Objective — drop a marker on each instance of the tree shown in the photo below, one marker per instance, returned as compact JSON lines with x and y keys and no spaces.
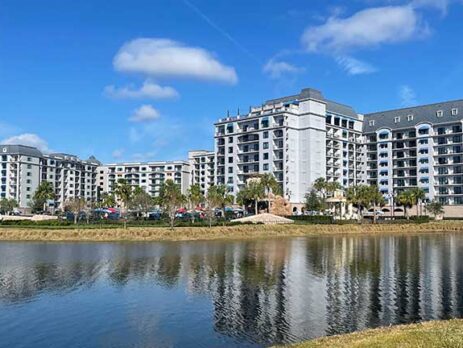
{"x":107,"y":200}
{"x":75,"y":206}
{"x":123,"y":192}
{"x":171,"y":199}
{"x":419,"y":195}
{"x":313,"y":202}
{"x":435,"y":208}
{"x":217,"y":197}
{"x":407,"y":200}
{"x":271,"y":186}
{"x":7,"y":205}
{"x":320,"y":186}
{"x":43,"y":193}
{"x":364,"y":197}
{"x":195,"y":198}
{"x":256,"y":192}
{"x":141,"y":201}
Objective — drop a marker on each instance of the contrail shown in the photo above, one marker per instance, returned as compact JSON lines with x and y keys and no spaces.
{"x":221,"y":31}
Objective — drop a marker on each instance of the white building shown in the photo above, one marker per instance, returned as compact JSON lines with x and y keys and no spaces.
{"x":298,"y":138}
{"x":147,"y":175}
{"x":202,"y":169}
{"x":417,"y":147}
{"x":23,"y":168}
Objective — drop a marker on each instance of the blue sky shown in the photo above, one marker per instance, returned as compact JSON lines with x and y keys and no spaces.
{"x":145,"y":80}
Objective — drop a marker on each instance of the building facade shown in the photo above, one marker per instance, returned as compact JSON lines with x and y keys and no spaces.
{"x":417,"y":147}
{"x":25,"y":167}
{"x":202,"y":169}
{"x":297,"y":138}
{"x":147,"y":175}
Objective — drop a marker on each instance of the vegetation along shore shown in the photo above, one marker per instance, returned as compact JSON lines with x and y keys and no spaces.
{"x":432,"y":334}
{"x":164,"y":233}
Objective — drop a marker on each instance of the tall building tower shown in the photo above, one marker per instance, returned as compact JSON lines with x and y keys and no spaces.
{"x":298,"y":139}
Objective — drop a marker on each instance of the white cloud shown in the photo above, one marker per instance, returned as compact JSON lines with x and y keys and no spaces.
{"x":144,"y":113}
{"x":441,"y":5}
{"x":118,"y":153}
{"x":407,"y":96}
{"x":148,"y":90}
{"x":366,"y":28}
{"x":354,"y":66}
{"x":275,"y":69}
{"x":28,"y":139}
{"x":168,"y":58}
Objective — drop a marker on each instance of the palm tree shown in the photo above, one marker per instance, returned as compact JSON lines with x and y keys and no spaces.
{"x":256,"y":192}
{"x":107,"y":200}
{"x":195,"y":198}
{"x":406,"y":199}
{"x":320,"y":186}
{"x":123,"y":192}
{"x":419,"y":195}
{"x":44,"y":192}
{"x":270,"y":185}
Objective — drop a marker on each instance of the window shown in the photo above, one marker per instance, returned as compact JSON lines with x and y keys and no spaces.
{"x":265,"y":166}
{"x":266,"y":156}
{"x":230,"y":159}
{"x":230,"y":149}
{"x":410,"y":118}
{"x":265,"y":145}
{"x":266,"y":135}
{"x":397,"y":119}
{"x":439,"y":113}
{"x":230,"y":170}
{"x":371,"y":123}
{"x":454,"y":111}
{"x":230,"y":140}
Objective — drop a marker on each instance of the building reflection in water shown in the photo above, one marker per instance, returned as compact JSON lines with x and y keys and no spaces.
{"x":263,"y":291}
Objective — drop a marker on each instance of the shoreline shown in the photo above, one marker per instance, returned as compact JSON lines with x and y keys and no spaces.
{"x":434,"y":333}
{"x":157,"y":234}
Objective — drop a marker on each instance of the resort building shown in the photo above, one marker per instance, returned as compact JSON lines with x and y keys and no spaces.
{"x":147,"y":175}
{"x":25,"y":167}
{"x":202,"y":168}
{"x":417,"y":147}
{"x":298,"y":139}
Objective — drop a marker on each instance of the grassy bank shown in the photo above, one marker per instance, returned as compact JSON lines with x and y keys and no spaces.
{"x":218,"y":232}
{"x":429,"y":334}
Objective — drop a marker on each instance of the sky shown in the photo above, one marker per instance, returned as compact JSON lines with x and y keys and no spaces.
{"x":145,"y":80}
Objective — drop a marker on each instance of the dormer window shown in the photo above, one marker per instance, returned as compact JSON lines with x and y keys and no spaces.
{"x":371,"y":123}
{"x":439,"y":113}
{"x":454,"y":111}
{"x":397,"y":119}
{"x":410,"y":118}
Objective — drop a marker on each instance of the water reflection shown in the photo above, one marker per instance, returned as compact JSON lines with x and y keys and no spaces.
{"x":234,"y":293}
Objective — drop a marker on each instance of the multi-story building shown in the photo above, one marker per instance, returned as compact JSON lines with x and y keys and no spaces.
{"x":298,"y":138}
{"x":147,"y":175}
{"x":202,"y":169}
{"x":417,"y":147}
{"x":25,"y":167}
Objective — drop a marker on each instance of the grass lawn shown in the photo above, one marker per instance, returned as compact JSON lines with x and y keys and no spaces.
{"x":438,"y":334}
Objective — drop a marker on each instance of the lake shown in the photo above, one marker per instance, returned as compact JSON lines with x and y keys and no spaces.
{"x":252,"y":293}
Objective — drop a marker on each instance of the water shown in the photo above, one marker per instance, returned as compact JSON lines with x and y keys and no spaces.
{"x":223,"y":294}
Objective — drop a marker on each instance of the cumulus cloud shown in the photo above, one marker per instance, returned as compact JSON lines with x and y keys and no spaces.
{"x":165,"y":58}
{"x":148,"y":90}
{"x":367,"y":28}
{"x":407,"y":96}
{"x":145,"y":113}
{"x":275,"y":69}
{"x":355,"y":66}
{"x":28,"y":139}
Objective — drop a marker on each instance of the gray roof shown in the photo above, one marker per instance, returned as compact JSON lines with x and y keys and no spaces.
{"x":424,"y":113}
{"x":20,"y":150}
{"x":311,"y":93}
